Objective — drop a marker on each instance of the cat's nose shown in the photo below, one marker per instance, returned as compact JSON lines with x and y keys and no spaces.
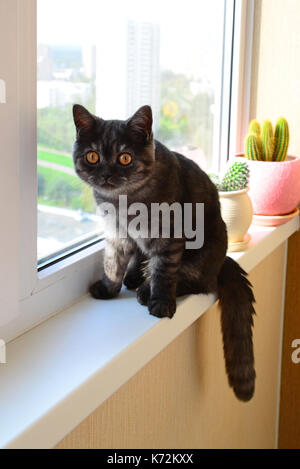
{"x":107,"y":178}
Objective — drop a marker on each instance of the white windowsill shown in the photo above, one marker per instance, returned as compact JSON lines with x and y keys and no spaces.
{"x":62,"y":370}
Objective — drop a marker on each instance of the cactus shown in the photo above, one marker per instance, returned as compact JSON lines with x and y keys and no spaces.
{"x":253,"y":147}
{"x":254,"y":127}
{"x":236,"y":178}
{"x":215,"y":179}
{"x":263,"y":145}
{"x":282,"y":138}
{"x":268,"y":141}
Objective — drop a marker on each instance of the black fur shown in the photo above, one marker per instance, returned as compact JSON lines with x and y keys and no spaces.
{"x":161,"y":269}
{"x":236,"y":301}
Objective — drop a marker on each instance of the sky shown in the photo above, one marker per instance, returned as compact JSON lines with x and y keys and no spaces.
{"x":191,"y":30}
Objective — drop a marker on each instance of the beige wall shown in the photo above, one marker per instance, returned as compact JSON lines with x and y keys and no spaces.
{"x":275,"y":92}
{"x":276,"y":64}
{"x":181,"y":398}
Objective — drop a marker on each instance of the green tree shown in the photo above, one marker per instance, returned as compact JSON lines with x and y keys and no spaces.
{"x":62,"y":192}
{"x":185,"y":116}
{"x":56,"y":128}
{"x":88,"y":201}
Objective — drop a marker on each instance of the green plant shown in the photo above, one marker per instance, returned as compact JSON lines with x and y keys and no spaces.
{"x":236,"y":178}
{"x":268,"y":140}
{"x":253,"y":147}
{"x":215,"y":179}
{"x":262,"y":144}
{"x":254,"y":127}
{"x":282,"y":139}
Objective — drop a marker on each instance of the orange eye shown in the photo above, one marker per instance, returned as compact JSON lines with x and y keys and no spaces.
{"x":125,"y":159}
{"x":92,"y":157}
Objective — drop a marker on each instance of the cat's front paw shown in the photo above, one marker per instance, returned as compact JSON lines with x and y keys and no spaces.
{"x":101,"y":291}
{"x":143,"y":293}
{"x":162,"y":308}
{"x":133,"y":279}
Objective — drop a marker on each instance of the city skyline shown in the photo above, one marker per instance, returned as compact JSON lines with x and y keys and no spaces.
{"x":188,"y":41}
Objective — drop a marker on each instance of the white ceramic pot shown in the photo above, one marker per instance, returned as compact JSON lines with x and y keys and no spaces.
{"x":237,"y":213}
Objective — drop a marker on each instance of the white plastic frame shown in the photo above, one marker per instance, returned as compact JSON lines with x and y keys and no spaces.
{"x":26,"y":296}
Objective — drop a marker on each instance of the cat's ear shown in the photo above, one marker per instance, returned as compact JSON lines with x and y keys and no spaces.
{"x":140,"y":125}
{"x":83,"y":119}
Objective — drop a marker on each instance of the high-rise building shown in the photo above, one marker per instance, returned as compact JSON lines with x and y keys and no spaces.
{"x":143,"y":67}
{"x":128,"y":69}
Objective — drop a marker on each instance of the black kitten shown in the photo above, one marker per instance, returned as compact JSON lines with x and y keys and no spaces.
{"x":122,"y":158}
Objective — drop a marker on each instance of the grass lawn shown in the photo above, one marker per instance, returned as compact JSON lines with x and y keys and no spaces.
{"x":57,"y":158}
{"x":61,"y":189}
{"x":81,"y":198}
{"x":50,"y":173}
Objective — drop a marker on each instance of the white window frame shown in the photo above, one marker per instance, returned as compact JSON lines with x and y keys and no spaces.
{"x":241,"y":74}
{"x":27,"y":297}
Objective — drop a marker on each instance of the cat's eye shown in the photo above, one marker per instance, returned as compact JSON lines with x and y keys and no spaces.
{"x":125,"y":159}
{"x":92,"y":157}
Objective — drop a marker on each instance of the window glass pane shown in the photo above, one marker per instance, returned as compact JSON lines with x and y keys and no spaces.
{"x":113,"y":57}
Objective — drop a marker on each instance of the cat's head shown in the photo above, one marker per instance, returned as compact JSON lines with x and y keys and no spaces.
{"x":113,"y":156}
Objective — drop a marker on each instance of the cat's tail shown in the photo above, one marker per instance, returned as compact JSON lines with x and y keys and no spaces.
{"x":236,"y":302}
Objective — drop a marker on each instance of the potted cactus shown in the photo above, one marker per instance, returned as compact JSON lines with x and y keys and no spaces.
{"x":236,"y":207}
{"x":274,"y":185}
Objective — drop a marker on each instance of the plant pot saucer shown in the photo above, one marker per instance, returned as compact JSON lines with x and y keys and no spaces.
{"x":241,"y":246}
{"x":274,"y":220}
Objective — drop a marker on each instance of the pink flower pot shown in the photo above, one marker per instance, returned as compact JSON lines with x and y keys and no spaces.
{"x":274,"y":187}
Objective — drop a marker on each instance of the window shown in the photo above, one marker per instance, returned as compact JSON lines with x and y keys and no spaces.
{"x":187,"y":61}
{"x":113,"y":60}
